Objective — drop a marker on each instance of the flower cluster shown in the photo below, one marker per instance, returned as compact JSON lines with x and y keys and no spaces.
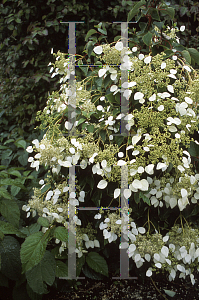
{"x":161,"y":120}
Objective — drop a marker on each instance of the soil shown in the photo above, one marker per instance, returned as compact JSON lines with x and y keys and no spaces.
{"x":126,"y":289}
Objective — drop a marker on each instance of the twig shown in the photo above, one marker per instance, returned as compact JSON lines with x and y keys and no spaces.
{"x":158,"y":290}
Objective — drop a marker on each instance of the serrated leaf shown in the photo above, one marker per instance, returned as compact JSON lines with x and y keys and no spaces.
{"x":61,"y":269}
{"x":43,"y":221}
{"x":8,"y":228}
{"x":89,"y":33}
{"x":10,"y":257}
{"x":30,"y":229}
{"x":10,"y":211}
{"x":97,"y":263}
{"x":41,"y":274}
{"x":169,"y":293}
{"x":32,"y":250}
{"x":187,"y":56}
{"x":135,"y":10}
{"x":61,"y":233}
{"x":147,"y":38}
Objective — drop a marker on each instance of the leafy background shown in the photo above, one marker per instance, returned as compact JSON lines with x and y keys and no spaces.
{"x":28,"y":31}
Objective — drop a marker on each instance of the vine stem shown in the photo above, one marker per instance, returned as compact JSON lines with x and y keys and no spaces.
{"x":158,"y":289}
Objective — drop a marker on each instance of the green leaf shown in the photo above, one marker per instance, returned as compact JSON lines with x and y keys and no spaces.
{"x":90,"y":128}
{"x":23,"y":159}
{"x":103,"y":135}
{"x":43,"y":221}
{"x":97,"y":263}
{"x":8,"y":228}
{"x":32,"y":294}
{"x":135,"y":10}
{"x":30,"y":229}
{"x":158,"y":24}
{"x":194,"y":54}
{"x":103,"y":31}
{"x":154,"y":14}
{"x":169,"y":293}
{"x":14,"y":172}
{"x":41,"y":274}
{"x":169,"y":11}
{"x":89,"y":33}
{"x":194,"y":149}
{"x":81,"y":121}
{"x":4,"y":193}
{"x":110,"y":97}
{"x":10,"y":211}
{"x":144,"y":198}
{"x":45,"y":188}
{"x":15,"y":190}
{"x":137,"y":198}
{"x":61,"y":269}
{"x":187,"y":56}
{"x":10,"y":257}
{"x":21,"y":143}
{"x":79,"y":264}
{"x":147,"y":38}
{"x":32,"y":250}
{"x":61,"y":233}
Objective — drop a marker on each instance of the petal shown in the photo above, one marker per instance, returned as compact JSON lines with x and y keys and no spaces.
{"x":102,"y":184}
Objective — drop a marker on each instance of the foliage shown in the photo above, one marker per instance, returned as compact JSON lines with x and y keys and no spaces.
{"x":161,"y":183}
{"x":28,"y":31}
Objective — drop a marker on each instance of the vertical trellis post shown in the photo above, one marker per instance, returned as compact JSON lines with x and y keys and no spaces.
{"x":124,"y":259}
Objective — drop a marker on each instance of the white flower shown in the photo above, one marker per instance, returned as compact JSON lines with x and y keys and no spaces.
{"x":138,"y":96}
{"x":174,"y":57}
{"x":134,"y":49}
{"x":149,"y":273}
{"x":182,"y":28}
{"x":149,"y":169}
{"x":29,"y":149}
{"x":98,"y":49}
{"x":170,"y":88}
{"x":121,"y":163}
{"x":101,"y":72}
{"x":165,"y":251}
{"x":135,"y":139}
{"x":163,"y":65}
{"x":116,"y":193}
{"x":102,"y":184}
{"x":161,"y":107}
{"x":68,"y":125}
{"x":152,"y":98}
{"x":127,"y":193}
{"x":188,"y":100}
{"x":119,"y":46}
{"x":141,"y":56}
{"x":147,"y":59}
{"x":141,"y":230}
